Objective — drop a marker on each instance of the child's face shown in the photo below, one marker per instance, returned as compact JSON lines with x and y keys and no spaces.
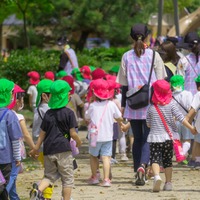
{"x":19,"y":104}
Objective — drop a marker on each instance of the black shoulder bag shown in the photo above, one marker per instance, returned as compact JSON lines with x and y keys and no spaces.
{"x":139,"y":98}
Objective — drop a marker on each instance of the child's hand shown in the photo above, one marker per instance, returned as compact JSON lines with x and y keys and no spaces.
{"x":125,"y":127}
{"x":17,"y":163}
{"x":34,"y":154}
{"x":194,"y":131}
{"x":78,"y":143}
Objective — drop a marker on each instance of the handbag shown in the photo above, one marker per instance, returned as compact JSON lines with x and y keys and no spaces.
{"x":176,"y":143}
{"x":93,"y":130}
{"x":139,"y":97}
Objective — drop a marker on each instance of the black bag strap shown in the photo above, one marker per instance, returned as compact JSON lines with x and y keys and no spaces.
{"x":5,"y":111}
{"x":180,"y":104}
{"x":151,"y":68}
{"x":39,"y":113}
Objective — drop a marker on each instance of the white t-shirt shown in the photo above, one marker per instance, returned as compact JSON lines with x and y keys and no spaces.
{"x":32,"y":90}
{"x":94,"y":114}
{"x":196,"y":106}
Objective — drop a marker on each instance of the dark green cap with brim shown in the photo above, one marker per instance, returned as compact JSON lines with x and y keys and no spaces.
{"x":177,"y":80}
{"x":61,"y":74}
{"x":59,"y":94}
{"x":197,"y":80}
{"x":6,"y":88}
{"x":43,"y":87}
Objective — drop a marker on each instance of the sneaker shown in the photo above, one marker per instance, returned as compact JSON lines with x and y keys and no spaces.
{"x":191,"y":164}
{"x":106,"y":183}
{"x":156,"y":183}
{"x":124,"y":158}
{"x":197,"y":165}
{"x":93,"y":181}
{"x":140,"y":179}
{"x":113,"y":161}
{"x":34,"y":193}
{"x":167,"y":186}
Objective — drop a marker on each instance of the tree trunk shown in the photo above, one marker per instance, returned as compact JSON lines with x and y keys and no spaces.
{"x":80,"y":44}
{"x":160,"y":13}
{"x":176,"y":17}
{"x":25,"y":31}
{"x":1,"y":35}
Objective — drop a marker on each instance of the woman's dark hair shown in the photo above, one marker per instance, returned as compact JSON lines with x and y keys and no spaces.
{"x":139,"y":47}
{"x":196,"y":50}
{"x":169,"y":54}
{"x":197,"y":84}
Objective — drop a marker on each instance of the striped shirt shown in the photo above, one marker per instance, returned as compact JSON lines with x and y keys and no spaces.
{"x":158,"y":132}
{"x":189,"y":69}
{"x":134,"y":72}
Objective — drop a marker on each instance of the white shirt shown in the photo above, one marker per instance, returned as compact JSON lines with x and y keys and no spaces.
{"x":94,"y":114}
{"x":32,"y":90}
{"x":196,"y":105}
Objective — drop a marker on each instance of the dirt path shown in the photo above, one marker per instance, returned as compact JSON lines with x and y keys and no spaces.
{"x":186,"y":182}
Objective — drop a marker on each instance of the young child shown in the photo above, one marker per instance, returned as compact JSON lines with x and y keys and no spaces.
{"x":32,"y":91}
{"x":101,"y":113}
{"x":183,"y":99}
{"x":10,"y":134}
{"x":43,"y":89}
{"x":161,"y":145}
{"x":57,"y":127}
{"x":49,"y":75}
{"x":16,"y":105}
{"x":195,"y":113}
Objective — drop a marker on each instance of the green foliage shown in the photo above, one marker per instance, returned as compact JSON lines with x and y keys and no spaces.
{"x":21,"y":62}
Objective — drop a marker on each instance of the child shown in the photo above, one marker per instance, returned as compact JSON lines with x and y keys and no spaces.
{"x":101,"y":113}
{"x":49,"y":75}
{"x":32,"y":91}
{"x":43,"y":89}
{"x":183,"y":99}
{"x":16,"y":105}
{"x":161,"y":145}
{"x":57,"y":127}
{"x":194,"y":111}
{"x":10,"y":133}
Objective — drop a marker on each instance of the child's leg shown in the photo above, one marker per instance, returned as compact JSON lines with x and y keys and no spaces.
{"x":106,"y":166}
{"x":43,"y":185}
{"x":168,"y":174}
{"x":114,"y":148}
{"x":94,"y":165}
{"x":155,"y":168}
{"x":67,"y":193}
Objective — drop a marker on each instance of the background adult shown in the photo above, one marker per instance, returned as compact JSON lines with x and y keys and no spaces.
{"x":188,"y":66}
{"x":68,"y":59}
{"x":134,"y":72}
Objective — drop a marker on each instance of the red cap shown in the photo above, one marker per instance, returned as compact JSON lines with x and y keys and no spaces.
{"x":70,"y":81}
{"x":101,"y":89}
{"x":86,"y":72}
{"x":16,"y":90}
{"x":34,"y":77}
{"x":49,"y":75}
{"x":162,"y":93}
{"x":98,"y":73}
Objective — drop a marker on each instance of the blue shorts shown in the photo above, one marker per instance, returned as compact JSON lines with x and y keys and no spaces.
{"x":102,"y":149}
{"x":184,"y":132}
{"x":197,"y":138}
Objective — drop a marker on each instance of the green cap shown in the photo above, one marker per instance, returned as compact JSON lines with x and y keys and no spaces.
{"x":59,"y":94}
{"x":6,"y":87}
{"x":61,"y":74}
{"x":177,"y":81}
{"x":43,"y":87}
{"x":76,"y":72}
{"x":197,"y":80}
{"x":92,"y":68}
{"x":114,"y":69}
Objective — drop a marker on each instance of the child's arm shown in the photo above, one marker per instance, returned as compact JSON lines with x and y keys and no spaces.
{"x":191,"y":114}
{"x":16,"y":151}
{"x":189,"y":126}
{"x":26,"y":134}
{"x":75,"y":137}
{"x":125,"y":127}
{"x":40,"y":140}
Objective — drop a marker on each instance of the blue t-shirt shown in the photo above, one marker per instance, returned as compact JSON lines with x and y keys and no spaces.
{"x":12,"y":133}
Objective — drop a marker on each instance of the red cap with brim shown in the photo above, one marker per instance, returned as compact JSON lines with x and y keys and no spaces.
{"x":34,"y":77}
{"x":162,"y":93}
